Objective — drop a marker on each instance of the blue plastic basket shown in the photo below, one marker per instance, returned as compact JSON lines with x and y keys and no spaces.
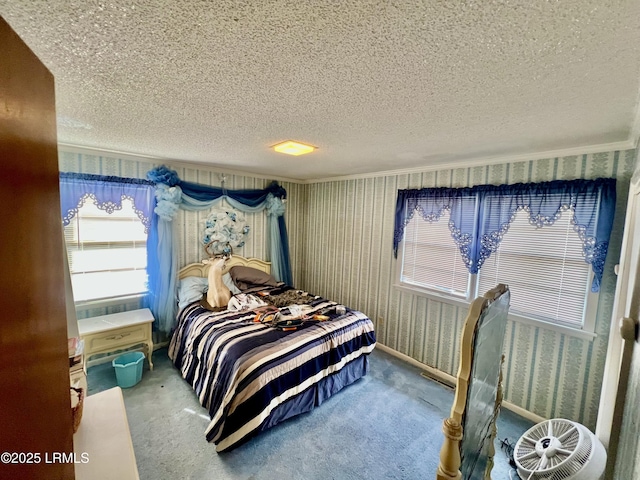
{"x":129,"y":369}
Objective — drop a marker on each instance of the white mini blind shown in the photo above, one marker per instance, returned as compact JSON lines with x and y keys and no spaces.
{"x":544,"y":268}
{"x":431,"y":258}
{"x":107,"y":252}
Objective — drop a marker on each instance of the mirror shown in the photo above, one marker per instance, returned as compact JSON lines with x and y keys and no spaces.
{"x":467,"y":451}
{"x":478,"y":422}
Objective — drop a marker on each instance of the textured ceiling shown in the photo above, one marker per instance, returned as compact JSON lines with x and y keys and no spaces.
{"x":377,"y":85}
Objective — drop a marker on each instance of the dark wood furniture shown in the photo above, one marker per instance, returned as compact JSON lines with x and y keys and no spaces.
{"x":35,"y":401}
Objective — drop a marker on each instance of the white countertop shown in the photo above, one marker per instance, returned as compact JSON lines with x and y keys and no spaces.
{"x":103,"y":323}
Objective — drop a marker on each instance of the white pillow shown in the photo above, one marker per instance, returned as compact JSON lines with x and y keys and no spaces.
{"x":191,"y":289}
{"x":228,"y":281}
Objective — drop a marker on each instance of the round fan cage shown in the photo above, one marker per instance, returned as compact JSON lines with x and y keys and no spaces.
{"x":559,"y":449}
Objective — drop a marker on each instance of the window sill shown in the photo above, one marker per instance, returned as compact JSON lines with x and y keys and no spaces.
{"x":572,"y":332}
{"x":107,"y":302}
{"x":432,"y":294}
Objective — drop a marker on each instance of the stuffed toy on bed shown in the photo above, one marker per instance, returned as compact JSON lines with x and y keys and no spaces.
{"x":218,"y":295}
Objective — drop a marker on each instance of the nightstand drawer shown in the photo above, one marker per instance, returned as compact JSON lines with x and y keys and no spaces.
{"x":114,"y":339}
{"x":117,"y":331}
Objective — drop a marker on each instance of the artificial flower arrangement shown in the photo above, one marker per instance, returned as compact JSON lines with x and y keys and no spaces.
{"x":224,"y":230}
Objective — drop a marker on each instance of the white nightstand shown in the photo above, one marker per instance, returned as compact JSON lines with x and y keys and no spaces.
{"x":108,"y":333}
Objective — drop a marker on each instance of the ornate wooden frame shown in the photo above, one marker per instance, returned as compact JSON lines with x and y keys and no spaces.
{"x":449,"y":466}
{"x":202,"y":270}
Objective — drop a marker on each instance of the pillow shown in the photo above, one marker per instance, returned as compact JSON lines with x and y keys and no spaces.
{"x":191,"y":289}
{"x":248,"y":277}
{"x":226,"y":279}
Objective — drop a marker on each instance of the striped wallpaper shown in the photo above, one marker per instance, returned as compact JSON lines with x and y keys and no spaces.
{"x":340,"y":235}
{"x":348,"y":252}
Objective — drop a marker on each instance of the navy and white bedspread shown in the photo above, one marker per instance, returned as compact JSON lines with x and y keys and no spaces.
{"x":251,"y":376}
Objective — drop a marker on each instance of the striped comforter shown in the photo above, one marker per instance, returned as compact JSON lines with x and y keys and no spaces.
{"x":251,"y":376}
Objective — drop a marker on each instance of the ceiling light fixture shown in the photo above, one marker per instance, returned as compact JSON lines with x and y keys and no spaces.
{"x":293,"y":148}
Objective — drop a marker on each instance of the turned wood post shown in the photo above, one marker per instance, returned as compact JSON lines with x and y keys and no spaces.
{"x":449,"y":467}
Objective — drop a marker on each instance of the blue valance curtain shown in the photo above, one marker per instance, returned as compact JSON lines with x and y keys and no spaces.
{"x":173,"y":194}
{"x":481,"y":215}
{"x":107,"y":193}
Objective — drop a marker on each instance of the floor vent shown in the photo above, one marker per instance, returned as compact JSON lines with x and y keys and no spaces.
{"x":435,"y":379}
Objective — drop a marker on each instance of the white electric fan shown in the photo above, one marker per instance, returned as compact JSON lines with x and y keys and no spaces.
{"x":559,"y":449}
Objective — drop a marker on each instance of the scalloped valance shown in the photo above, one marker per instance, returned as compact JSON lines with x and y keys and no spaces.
{"x":480,"y":216}
{"x":107,"y":193}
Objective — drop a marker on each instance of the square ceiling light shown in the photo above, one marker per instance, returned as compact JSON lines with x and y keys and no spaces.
{"x":293,"y":148}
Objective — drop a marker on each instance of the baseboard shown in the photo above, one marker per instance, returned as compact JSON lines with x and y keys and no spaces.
{"x":522,"y":412}
{"x":159,"y":345}
{"x":432,"y":372}
{"x":450,"y":380}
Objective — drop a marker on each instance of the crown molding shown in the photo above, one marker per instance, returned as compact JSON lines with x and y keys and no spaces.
{"x":585,"y":150}
{"x":170,"y":162}
{"x":629,"y":144}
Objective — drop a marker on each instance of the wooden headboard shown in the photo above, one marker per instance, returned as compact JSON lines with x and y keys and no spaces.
{"x":202,"y":270}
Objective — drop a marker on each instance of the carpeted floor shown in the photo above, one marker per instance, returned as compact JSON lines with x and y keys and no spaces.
{"x":387,"y":425}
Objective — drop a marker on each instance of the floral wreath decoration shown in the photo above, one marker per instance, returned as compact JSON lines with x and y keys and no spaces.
{"x":224,"y":230}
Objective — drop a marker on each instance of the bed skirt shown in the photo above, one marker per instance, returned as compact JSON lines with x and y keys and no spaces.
{"x":310,"y":398}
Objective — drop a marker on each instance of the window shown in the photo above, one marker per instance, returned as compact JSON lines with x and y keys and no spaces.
{"x":457,"y":244}
{"x":431,"y":260}
{"x":555,"y":293}
{"x":107,"y":252}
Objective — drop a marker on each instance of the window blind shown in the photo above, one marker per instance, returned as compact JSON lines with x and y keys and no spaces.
{"x":431,"y":258}
{"x":544,"y":268}
{"x":107,"y":252}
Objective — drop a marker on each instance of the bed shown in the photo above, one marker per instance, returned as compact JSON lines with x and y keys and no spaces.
{"x":251,"y":375}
